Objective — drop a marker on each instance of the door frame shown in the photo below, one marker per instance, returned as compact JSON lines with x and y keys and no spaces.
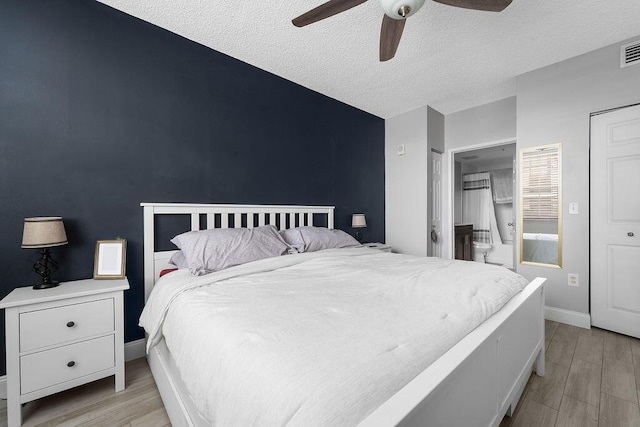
{"x":448,"y":170}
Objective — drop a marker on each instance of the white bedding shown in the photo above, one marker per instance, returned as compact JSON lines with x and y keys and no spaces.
{"x":321,"y":338}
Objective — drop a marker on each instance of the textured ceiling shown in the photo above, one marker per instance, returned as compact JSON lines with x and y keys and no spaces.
{"x":449,"y":58}
{"x":487,"y":154}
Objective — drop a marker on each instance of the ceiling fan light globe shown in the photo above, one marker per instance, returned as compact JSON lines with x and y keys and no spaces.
{"x":401,"y":9}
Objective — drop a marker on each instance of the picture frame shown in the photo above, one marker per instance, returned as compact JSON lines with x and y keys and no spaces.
{"x":110,"y":259}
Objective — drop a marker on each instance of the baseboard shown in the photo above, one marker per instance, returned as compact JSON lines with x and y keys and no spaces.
{"x":575,"y":318}
{"x":132,"y":350}
{"x":135,"y":349}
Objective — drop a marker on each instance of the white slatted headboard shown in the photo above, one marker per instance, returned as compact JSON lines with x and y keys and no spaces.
{"x":225,"y":216}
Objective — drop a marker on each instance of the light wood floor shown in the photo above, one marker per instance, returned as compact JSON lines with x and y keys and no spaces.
{"x":97,"y":404}
{"x":592,"y":379}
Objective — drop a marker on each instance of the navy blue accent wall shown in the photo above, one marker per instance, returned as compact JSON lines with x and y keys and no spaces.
{"x":100,"y":111}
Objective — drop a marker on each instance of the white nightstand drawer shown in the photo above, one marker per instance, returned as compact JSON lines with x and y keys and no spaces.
{"x":51,"y":367}
{"x":80,"y":322}
{"x":58,"y":325}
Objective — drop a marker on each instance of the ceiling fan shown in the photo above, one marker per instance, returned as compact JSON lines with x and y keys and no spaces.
{"x":395,"y":13}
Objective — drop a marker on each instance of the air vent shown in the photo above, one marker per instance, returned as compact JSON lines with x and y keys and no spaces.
{"x":630,"y":54}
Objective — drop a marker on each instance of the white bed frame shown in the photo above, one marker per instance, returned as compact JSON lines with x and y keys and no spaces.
{"x":475,"y":383}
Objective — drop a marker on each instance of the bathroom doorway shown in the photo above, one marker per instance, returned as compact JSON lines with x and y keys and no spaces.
{"x":484,"y":196}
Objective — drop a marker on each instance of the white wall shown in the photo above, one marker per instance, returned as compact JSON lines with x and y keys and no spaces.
{"x":406,"y":180}
{"x":553,"y":105}
{"x":489,"y":122}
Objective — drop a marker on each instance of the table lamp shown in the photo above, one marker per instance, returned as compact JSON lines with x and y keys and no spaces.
{"x":44,"y":232}
{"x":358,"y":221}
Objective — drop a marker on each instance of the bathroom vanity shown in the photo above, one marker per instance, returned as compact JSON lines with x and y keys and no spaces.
{"x":464,"y":241}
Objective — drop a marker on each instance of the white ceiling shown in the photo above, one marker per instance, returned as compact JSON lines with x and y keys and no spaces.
{"x":449,"y":58}
{"x":481,"y":157}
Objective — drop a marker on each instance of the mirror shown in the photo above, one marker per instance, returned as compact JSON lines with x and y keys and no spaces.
{"x":541,"y":205}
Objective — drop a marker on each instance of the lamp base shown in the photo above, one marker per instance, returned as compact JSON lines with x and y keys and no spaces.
{"x":358,"y":236}
{"x":44,"y":267}
{"x":43,"y":285}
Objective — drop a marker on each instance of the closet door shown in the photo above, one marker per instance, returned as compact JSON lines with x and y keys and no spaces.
{"x":615,"y":221}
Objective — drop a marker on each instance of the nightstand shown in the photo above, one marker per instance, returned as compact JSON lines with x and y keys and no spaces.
{"x":62,"y":337}
{"x":379,"y":246}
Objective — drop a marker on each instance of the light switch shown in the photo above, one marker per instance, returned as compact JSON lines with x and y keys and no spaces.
{"x":400,"y":150}
{"x":573,"y":208}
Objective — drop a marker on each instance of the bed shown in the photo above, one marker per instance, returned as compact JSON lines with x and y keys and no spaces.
{"x":497,"y":355}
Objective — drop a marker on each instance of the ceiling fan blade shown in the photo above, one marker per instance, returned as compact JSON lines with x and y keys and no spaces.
{"x":487,"y":5}
{"x":325,"y":10}
{"x":390,"y":37}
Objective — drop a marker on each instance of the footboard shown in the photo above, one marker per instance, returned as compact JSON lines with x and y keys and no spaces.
{"x":481,"y":378}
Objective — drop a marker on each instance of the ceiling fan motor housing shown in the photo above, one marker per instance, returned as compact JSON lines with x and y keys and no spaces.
{"x":401,"y":9}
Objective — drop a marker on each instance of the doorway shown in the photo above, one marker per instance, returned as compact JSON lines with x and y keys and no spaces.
{"x":483,"y":199}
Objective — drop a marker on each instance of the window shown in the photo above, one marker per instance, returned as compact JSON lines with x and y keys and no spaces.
{"x":540,"y":184}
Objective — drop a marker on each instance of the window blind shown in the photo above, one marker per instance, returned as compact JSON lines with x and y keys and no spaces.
{"x":540,"y":184}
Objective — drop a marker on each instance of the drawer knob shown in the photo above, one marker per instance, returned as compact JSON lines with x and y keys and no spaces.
{"x":71,"y":324}
{"x":71,"y":364}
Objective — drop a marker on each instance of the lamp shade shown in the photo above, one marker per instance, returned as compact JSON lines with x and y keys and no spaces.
{"x":43,"y":232}
{"x":358,"y":221}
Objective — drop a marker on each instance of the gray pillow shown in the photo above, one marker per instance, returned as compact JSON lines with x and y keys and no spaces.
{"x":317,"y":238}
{"x":293,"y":238}
{"x":178,"y":259}
{"x":213,"y":250}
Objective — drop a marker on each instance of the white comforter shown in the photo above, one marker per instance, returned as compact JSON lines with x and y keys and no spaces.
{"x":321,"y":338}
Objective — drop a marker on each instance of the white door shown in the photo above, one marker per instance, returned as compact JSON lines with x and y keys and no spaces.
{"x":512,"y":224}
{"x":436,"y":204}
{"x":615,"y":221}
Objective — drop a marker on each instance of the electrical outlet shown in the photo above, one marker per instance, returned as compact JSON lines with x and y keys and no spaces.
{"x":400,"y":151}
{"x":573,"y":280}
